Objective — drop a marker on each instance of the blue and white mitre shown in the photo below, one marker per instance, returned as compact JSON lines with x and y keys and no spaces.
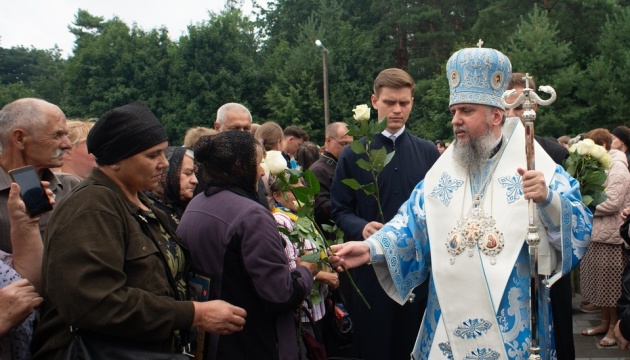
{"x":478,"y":76}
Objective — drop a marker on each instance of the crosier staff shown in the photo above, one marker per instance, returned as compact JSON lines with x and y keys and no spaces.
{"x":528,"y":98}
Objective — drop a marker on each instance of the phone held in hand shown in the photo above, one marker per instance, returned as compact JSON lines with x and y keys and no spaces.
{"x":31,"y":190}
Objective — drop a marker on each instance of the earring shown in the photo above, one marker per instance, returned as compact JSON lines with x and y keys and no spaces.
{"x":115,"y":167}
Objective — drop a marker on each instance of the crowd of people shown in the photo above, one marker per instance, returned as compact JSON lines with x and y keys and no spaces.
{"x":439,"y":255}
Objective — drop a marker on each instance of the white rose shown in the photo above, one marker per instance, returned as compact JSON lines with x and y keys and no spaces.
{"x":606,"y":161}
{"x":276,"y":163}
{"x":584,"y":147}
{"x":361,"y":113}
{"x":598,"y":152}
{"x":265,"y":167}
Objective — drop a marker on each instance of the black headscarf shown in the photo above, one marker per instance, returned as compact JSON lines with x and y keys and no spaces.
{"x":168,"y":189}
{"x":228,"y":161}
{"x":124,"y":132}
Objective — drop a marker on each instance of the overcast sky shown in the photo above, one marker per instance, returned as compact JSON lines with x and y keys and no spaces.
{"x":44,"y":23}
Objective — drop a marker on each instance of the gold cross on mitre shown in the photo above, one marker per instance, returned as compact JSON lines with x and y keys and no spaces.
{"x":479,"y":43}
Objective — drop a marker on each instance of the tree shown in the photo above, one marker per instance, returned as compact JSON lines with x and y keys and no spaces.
{"x":114,"y":65}
{"x":216,"y":63}
{"x":430,"y":118}
{"x":11,"y":92}
{"x":39,"y":72}
{"x":536,"y":48}
{"x":606,"y":81}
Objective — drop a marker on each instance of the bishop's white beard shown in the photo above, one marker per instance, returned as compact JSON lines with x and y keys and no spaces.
{"x":472,"y":156}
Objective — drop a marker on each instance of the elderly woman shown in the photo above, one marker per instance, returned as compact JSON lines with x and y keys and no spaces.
{"x":112,"y":266}
{"x":244,"y":253}
{"x":77,"y":161}
{"x":177,"y":184}
{"x":603,"y":264}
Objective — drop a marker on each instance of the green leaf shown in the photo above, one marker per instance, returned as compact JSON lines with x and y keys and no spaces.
{"x":364,"y":164}
{"x":312,"y":182}
{"x":389,"y":157}
{"x":353,"y":130}
{"x":365,"y":127}
{"x":377,"y":158}
{"x":357,"y":147}
{"x":380,"y":125}
{"x":315,"y":297}
{"x":294,"y":179}
{"x":284,"y":231}
{"x":312,"y":258}
{"x":369,"y":189}
{"x":302,"y":194}
{"x":354,"y":185}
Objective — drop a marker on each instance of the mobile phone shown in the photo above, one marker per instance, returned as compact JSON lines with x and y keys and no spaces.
{"x":31,"y":190}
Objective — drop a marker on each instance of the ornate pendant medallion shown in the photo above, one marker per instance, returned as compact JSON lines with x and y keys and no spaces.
{"x":475,"y":230}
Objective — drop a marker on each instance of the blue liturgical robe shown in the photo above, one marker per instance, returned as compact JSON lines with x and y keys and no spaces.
{"x":478,"y":306}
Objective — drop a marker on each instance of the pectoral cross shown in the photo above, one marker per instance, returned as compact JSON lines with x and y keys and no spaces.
{"x":472,"y":231}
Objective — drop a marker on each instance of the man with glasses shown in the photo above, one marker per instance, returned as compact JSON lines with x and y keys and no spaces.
{"x":324,"y":169}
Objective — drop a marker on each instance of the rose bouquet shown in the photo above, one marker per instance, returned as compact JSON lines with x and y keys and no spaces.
{"x":304,"y":186}
{"x":587,"y":163}
{"x":374,"y":160}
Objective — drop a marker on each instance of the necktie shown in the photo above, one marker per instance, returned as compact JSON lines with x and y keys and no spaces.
{"x":393,"y":139}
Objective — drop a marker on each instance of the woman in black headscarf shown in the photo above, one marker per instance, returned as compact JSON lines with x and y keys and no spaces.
{"x":112,"y":267}
{"x":235,"y":240}
{"x":177,"y":185}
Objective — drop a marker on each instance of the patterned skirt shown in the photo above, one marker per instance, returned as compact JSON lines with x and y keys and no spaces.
{"x":600,"y":273}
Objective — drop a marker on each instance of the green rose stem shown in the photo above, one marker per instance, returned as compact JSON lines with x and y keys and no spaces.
{"x":374,"y":161}
{"x":328,"y":249}
{"x":376,"y":194}
{"x":345,"y":269}
{"x":305,"y":195}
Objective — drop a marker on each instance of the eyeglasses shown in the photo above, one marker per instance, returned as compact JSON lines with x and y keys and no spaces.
{"x":342,"y":143}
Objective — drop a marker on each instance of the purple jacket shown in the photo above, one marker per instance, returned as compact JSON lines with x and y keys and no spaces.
{"x":235,"y":240}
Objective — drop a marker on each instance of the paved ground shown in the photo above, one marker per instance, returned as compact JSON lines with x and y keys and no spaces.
{"x":587,"y":347}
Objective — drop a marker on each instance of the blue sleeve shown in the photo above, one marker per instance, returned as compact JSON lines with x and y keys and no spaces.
{"x":405,"y":244}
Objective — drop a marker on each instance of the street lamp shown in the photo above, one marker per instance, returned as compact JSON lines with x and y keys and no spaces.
{"x":325,"y":74}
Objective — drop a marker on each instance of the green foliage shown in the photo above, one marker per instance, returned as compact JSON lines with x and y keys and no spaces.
{"x":579,"y":47}
{"x":39,"y":72}
{"x":304,"y":186}
{"x":116,"y":65}
{"x":15,"y":91}
{"x":590,"y":173}
{"x":372,"y":160}
{"x":606,"y":80}
{"x":431,"y":118}
{"x":214,"y":64}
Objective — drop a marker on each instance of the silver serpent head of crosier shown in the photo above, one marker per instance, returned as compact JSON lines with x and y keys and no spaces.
{"x":528,"y":98}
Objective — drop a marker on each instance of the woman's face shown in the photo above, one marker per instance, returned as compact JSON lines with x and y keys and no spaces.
{"x":618,"y":144}
{"x":78,"y":161}
{"x":143,"y":170}
{"x":260,"y":172}
{"x":187,"y":179}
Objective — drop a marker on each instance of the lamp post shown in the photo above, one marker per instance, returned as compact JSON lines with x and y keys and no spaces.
{"x":325,"y":74}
